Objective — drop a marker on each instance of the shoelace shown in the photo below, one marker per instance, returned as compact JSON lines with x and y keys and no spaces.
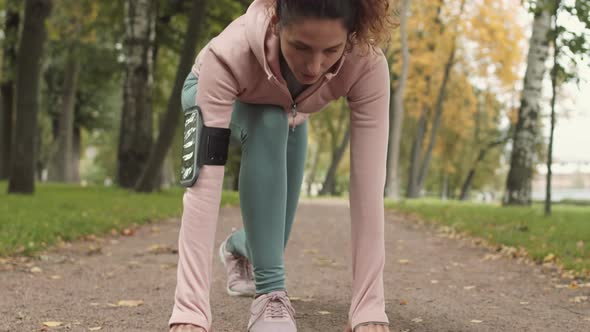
{"x":277,"y":306}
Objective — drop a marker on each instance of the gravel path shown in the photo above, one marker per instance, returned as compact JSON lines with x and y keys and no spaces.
{"x":433,"y":282}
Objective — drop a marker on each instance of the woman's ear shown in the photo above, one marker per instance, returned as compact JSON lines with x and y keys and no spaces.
{"x":274,"y":24}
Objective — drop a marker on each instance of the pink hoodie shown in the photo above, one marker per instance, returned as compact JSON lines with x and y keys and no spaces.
{"x":243,"y":63}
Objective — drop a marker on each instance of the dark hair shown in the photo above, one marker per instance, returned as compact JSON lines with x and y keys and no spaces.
{"x":367,"y":21}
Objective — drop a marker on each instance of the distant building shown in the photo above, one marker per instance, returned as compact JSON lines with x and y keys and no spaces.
{"x":569,"y":180}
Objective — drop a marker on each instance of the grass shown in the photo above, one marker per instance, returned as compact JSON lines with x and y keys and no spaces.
{"x":527,"y":227}
{"x":56,"y":212}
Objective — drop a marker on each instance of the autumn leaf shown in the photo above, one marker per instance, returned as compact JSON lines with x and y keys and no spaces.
{"x":129,"y":303}
{"x":128,"y":232}
{"x":549,"y":258}
{"x":157,"y":249}
{"x":579,"y":299}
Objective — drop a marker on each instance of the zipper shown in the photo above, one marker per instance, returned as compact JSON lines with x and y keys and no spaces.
{"x":294,"y":113}
{"x":293,"y":102}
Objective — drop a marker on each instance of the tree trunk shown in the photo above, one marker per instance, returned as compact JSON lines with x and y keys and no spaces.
{"x":28,"y":73}
{"x":75,"y":160}
{"x":168,"y":126}
{"x":413,"y":190}
{"x":482,"y":154}
{"x":7,"y":116}
{"x":439,"y":109}
{"x":444,"y":191}
{"x":553,"y":97}
{"x":314,"y":166}
{"x":62,"y":165}
{"x":135,"y":133}
{"x":437,"y":119}
{"x":329,"y":185}
{"x":392,"y":184}
{"x":518,"y":183}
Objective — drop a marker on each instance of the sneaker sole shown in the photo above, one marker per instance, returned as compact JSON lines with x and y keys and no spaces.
{"x":229,"y":291}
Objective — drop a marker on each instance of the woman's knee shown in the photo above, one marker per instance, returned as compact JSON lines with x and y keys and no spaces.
{"x":271,"y":120}
{"x":189,"y":91}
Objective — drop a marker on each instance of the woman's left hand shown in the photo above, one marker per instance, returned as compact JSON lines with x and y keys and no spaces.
{"x":368,"y":328}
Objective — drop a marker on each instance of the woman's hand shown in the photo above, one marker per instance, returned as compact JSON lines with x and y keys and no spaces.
{"x":186,"y":328}
{"x":368,"y":328}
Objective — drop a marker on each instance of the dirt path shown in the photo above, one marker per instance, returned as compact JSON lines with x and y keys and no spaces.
{"x":445,"y":285}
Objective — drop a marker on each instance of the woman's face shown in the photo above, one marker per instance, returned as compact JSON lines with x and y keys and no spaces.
{"x":311,"y":46}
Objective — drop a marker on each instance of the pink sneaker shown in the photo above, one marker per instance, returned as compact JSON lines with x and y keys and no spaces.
{"x":186,"y":328}
{"x":240,"y":275}
{"x":272,"y":312}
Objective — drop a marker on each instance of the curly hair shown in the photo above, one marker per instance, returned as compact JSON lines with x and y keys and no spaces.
{"x":369,"y":22}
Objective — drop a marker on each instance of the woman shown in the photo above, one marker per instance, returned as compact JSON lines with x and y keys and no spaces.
{"x":262,"y":77}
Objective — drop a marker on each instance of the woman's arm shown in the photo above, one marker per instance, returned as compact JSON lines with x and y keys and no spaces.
{"x":215,"y":95}
{"x":369,"y":122}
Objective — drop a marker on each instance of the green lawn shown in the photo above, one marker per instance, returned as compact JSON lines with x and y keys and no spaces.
{"x":559,"y":234}
{"x":56,"y":211}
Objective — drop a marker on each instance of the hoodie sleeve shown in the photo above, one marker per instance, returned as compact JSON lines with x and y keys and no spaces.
{"x":216,"y":92}
{"x":369,"y":122}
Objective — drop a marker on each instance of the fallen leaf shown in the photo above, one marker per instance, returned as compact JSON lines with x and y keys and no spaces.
{"x":324,"y":312}
{"x":129,"y":303}
{"x":417,"y":320}
{"x":579,"y":299}
{"x":94,"y":250}
{"x":403,"y":302}
{"x":573,"y":285}
{"x":161,"y":249}
{"x":404,"y":261}
{"x":95,"y":328}
{"x":36,"y":270}
{"x":549,"y":258}
{"x":52,"y":324}
{"x":491,"y":257}
{"x":476,"y":321}
{"x":128,"y":232}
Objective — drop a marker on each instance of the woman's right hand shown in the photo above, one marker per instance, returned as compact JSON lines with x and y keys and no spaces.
{"x":186,"y":328}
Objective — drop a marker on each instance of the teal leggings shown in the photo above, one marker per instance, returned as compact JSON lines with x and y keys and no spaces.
{"x":271,"y":174}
